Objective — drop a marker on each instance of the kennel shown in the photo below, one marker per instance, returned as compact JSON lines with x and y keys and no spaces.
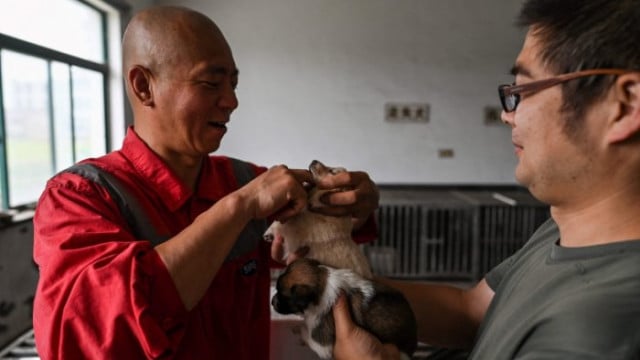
{"x":437,"y":233}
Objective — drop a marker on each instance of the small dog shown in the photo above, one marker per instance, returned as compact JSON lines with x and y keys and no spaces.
{"x":328,"y":237}
{"x":308,"y":288}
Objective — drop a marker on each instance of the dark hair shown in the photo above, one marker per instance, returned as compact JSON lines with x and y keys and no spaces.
{"x":585,"y":34}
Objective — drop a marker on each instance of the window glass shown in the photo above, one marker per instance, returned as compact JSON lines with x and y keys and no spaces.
{"x":43,"y":22}
{"x":88,"y":112}
{"x":54,"y":104}
{"x":26,"y":110}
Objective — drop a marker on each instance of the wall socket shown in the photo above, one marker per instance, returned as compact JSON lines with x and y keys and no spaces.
{"x":407,"y":112}
{"x":492,"y":115}
{"x":445,"y":153}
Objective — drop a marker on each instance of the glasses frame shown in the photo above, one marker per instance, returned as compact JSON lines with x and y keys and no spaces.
{"x":514,"y":91}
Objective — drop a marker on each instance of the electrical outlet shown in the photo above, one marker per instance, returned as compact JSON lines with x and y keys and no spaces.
{"x":445,"y":153}
{"x":407,"y":112}
{"x":492,"y":115}
{"x":392,"y":112}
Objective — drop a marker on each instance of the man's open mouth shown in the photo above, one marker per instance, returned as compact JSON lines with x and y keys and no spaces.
{"x":218,"y":124}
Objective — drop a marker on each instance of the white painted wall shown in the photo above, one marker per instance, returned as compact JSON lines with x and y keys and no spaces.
{"x":316,"y":74}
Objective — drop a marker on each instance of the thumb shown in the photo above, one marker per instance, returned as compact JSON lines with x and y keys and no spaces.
{"x":277,"y":248}
{"x":342,"y":317}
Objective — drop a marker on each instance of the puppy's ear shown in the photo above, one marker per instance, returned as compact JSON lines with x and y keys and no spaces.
{"x":302,"y":296}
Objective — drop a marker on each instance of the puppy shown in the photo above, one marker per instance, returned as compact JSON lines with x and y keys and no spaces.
{"x":308,"y":288}
{"x":327,"y":237}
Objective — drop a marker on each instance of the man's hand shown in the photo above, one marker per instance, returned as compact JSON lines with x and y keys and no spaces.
{"x":359,"y":200}
{"x":353,"y":343}
{"x":277,"y":251}
{"x":278,"y":192}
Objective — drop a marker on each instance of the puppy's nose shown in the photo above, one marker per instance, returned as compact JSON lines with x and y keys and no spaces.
{"x":314,"y":164}
{"x":274,"y":301}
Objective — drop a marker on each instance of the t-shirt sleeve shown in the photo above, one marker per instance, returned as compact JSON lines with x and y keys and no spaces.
{"x":495,"y":275}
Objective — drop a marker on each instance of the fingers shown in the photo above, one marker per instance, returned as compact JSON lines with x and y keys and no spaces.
{"x":296,"y":198}
{"x":342,"y":317}
{"x":294,"y":206}
{"x":359,"y":198}
{"x":351,"y":341}
{"x":296,"y":201}
{"x":303,"y":176}
{"x":282,"y":193}
{"x":357,"y":186}
{"x":279,"y":192}
{"x":340,"y":198}
{"x":347,"y":179}
{"x":278,"y":251}
{"x":277,"y":248}
{"x":300,"y":253}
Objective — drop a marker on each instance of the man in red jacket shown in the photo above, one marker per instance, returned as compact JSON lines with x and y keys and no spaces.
{"x":154,"y":250}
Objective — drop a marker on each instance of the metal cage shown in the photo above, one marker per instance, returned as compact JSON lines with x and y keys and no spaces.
{"x":450,"y":234}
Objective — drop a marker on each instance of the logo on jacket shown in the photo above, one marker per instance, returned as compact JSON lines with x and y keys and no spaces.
{"x":249,"y":268}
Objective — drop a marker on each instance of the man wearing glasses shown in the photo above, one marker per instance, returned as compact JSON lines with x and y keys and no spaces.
{"x":573,"y":290}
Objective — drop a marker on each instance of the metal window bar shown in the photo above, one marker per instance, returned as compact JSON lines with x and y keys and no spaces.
{"x":23,"y":348}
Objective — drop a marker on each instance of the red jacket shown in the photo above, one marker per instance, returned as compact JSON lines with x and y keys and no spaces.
{"x":103,"y":294}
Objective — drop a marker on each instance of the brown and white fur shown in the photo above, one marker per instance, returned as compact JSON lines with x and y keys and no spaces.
{"x":308,"y":288}
{"x":327,"y":237}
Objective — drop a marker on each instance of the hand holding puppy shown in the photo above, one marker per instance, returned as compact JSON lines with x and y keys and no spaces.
{"x":358,"y":198}
{"x":354,"y":343}
{"x":278,"y":192}
{"x":379,"y":313}
{"x":328,"y":237}
{"x":279,"y":254}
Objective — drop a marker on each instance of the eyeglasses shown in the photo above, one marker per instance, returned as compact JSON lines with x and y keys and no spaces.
{"x":510,"y":94}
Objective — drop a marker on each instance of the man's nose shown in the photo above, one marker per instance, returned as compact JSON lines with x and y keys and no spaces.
{"x":228,"y":100}
{"x":507,"y":117}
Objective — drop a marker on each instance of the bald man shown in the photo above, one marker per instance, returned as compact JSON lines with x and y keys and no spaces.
{"x":154,"y":250}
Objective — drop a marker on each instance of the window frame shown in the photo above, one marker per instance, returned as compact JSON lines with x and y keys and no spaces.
{"x":109,"y":69}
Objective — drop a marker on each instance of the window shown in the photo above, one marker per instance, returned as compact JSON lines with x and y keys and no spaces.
{"x":60,"y":90}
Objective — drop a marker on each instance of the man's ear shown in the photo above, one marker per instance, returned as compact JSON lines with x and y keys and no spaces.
{"x":139,"y":79}
{"x":626,"y":122}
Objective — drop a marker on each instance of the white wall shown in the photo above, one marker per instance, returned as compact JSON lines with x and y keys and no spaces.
{"x":315,"y":76}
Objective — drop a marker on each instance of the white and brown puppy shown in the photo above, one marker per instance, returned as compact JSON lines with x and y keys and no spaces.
{"x":310,"y":289}
{"x":327,"y":237}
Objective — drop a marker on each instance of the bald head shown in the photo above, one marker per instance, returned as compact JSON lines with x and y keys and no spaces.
{"x":159,"y":38}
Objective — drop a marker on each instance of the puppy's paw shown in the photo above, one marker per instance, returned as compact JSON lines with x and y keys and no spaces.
{"x":272,"y":231}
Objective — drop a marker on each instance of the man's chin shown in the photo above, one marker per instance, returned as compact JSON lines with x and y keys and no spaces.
{"x":528,"y":182}
{"x":521,"y":177}
{"x":213,"y":149}
{"x":209,"y":146}
{"x":212,"y":144}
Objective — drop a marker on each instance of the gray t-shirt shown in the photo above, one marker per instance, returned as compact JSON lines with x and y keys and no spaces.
{"x":554,"y":302}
